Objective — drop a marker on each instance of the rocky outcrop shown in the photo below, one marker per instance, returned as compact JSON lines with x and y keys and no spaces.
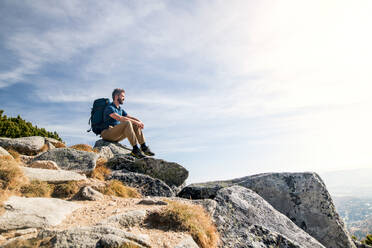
{"x":169,"y":172}
{"x":52,"y":176}
{"x":244,"y":219}
{"x":145,"y":185}
{"x":24,"y":212}
{"x":302,"y":197}
{"x":25,"y":145}
{"x":115,"y":148}
{"x":96,"y":236}
{"x":71,"y":159}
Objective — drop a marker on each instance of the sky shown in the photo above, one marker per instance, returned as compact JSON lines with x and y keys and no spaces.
{"x":225,"y":88}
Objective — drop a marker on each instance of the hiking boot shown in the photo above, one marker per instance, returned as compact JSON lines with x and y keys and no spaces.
{"x":137,"y":153}
{"x":146,"y":150}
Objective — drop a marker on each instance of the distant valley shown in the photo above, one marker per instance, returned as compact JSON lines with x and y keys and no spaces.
{"x":351,"y":191}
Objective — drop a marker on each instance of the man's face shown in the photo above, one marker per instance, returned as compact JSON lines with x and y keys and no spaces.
{"x":121,"y":98}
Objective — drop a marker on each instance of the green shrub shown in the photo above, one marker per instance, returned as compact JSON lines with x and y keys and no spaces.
{"x":16,"y":127}
{"x":368,"y":240}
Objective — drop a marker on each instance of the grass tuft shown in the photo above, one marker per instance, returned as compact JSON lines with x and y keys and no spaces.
{"x":37,"y":189}
{"x":190,"y":218}
{"x":59,"y":145}
{"x":15,"y":154}
{"x":101,"y":171}
{"x":117,"y":188}
{"x":11,"y":175}
{"x":83,"y":147}
{"x":66,"y":190}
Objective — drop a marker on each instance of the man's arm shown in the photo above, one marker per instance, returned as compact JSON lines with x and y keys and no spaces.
{"x":132,"y":119}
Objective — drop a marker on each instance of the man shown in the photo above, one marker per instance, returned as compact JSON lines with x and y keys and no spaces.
{"x":120,"y":125}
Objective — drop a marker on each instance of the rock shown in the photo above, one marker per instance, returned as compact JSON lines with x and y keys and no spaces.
{"x":203,"y":190}
{"x":52,"y":176}
{"x":303,"y":197}
{"x":71,"y":159}
{"x":152,"y":202}
{"x":208,"y":204}
{"x":115,"y":241}
{"x":127,"y":219}
{"x":44,"y":164}
{"x":169,"y":172}
{"x":25,"y":145}
{"x":244,"y":219}
{"x":50,"y":146}
{"x":115,"y":147}
{"x":120,"y":162}
{"x":145,"y":185}
{"x":105,"y":152}
{"x":187,"y":242}
{"x":24,"y":212}
{"x":4,"y":152}
{"x":87,"y":193}
{"x":18,"y":235}
{"x":26,"y":159}
{"x":91,"y":237}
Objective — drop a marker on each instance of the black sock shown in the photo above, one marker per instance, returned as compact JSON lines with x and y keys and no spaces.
{"x":143,"y":146}
{"x":135,"y":147}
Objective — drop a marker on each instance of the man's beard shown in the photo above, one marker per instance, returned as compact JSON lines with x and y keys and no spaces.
{"x":120,"y":101}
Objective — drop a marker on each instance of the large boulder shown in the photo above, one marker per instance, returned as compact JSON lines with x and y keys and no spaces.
{"x":96,"y":236}
{"x":25,"y":145}
{"x":114,"y":148}
{"x":171,"y":173}
{"x":146,"y":185}
{"x":24,"y":212}
{"x":302,"y":197}
{"x":71,"y":159}
{"x":52,"y":176}
{"x":244,"y":219}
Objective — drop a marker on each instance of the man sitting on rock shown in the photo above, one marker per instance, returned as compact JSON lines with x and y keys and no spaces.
{"x":120,"y":125}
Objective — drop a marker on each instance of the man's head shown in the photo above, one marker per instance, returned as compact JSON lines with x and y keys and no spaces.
{"x":119,"y":95}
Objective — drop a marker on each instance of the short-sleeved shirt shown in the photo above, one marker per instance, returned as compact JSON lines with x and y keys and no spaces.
{"x":111,"y":108}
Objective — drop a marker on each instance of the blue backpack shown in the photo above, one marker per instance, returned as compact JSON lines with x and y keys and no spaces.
{"x":96,"y":115}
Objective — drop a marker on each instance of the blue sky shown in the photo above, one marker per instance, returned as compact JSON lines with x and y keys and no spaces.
{"x":225,"y":88}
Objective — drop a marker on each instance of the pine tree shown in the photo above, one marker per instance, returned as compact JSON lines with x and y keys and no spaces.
{"x":17,"y":127}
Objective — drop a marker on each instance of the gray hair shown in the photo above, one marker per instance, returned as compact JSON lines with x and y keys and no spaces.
{"x":117,"y":91}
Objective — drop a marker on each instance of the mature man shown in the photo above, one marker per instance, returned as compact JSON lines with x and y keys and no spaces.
{"x":120,"y":125}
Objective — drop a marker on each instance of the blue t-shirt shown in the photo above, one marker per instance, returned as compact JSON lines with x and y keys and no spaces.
{"x":111,"y":108}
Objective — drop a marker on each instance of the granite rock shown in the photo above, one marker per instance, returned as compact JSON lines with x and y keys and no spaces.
{"x":244,"y":219}
{"x":71,"y":159}
{"x":24,"y":212}
{"x":25,"y":145}
{"x":145,"y":185}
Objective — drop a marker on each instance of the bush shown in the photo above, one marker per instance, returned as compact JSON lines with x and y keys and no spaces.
{"x":190,"y":218}
{"x":17,"y":127}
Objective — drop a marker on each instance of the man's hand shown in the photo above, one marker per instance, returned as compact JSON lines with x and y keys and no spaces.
{"x":139,"y":124}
